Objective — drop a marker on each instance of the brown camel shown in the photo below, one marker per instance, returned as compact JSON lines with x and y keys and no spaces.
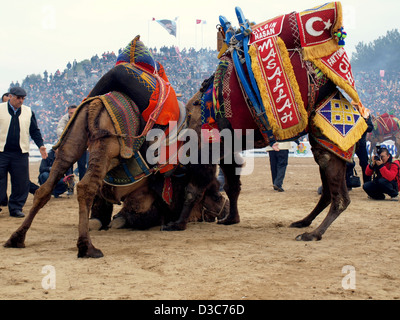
{"x":386,"y":127}
{"x":93,"y":128}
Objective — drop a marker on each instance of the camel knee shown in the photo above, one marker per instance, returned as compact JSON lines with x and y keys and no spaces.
{"x":342,"y":203}
{"x":192,"y":194}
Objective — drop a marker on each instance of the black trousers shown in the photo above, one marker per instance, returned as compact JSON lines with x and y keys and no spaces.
{"x":362,"y":155}
{"x":17,"y":165}
{"x":378,"y":187}
{"x":278,"y":163}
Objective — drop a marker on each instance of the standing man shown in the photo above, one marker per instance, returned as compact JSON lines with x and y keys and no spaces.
{"x":278,"y":162}
{"x":5,"y":97}
{"x":82,"y":162}
{"x":362,"y":155}
{"x":3,"y":178}
{"x":17,"y":124}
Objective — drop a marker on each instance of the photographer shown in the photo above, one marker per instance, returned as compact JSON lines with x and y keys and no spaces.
{"x":385,"y":174}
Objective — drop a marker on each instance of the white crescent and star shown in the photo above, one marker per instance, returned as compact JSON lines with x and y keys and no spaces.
{"x":310,"y":29}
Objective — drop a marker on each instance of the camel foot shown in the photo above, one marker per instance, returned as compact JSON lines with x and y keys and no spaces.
{"x":309,"y":237}
{"x":174,"y":226}
{"x":94,"y":224}
{"x":228,"y":220}
{"x":91,"y":253}
{"x":118,"y":223}
{"x":15,"y":241}
{"x":300,"y":224}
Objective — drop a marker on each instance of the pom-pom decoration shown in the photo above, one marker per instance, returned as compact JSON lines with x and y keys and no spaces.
{"x":340,"y":35}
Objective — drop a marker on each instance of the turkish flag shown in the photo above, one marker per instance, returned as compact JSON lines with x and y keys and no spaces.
{"x":316,"y":25}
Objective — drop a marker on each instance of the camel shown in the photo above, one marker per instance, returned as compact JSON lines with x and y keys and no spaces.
{"x":92,"y":128}
{"x":386,"y":127}
{"x":332,"y":167}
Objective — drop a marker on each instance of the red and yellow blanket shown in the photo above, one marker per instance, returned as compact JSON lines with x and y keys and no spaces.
{"x":279,"y":48}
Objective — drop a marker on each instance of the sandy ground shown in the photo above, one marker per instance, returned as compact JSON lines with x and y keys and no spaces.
{"x":358,"y":257}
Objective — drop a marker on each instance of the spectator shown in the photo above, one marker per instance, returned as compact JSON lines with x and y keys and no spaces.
{"x":278,"y":161}
{"x":386,"y":175}
{"x":50,"y":96}
{"x":82,"y":162}
{"x":63,"y":184}
{"x":5,"y":97}
{"x":17,"y":124}
{"x":362,"y":155}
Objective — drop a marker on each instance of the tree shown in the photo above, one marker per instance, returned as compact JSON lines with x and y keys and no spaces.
{"x":380,"y":54}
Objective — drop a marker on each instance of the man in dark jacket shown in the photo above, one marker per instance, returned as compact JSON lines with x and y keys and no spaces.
{"x":385,"y":180}
{"x":44,"y":170}
{"x":17,"y":124}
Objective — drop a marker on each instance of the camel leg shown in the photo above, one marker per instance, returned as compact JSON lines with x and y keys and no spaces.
{"x":101,"y":211}
{"x":100,"y":155}
{"x":193,"y":195}
{"x":323,"y":202}
{"x":201,"y":177}
{"x":42,"y":196}
{"x":232,"y":188}
{"x":333,"y":175}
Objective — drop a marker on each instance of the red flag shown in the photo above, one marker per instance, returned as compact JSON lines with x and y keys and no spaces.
{"x":198,"y":21}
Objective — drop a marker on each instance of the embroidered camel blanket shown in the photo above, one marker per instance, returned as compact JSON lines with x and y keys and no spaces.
{"x":278,"y":48}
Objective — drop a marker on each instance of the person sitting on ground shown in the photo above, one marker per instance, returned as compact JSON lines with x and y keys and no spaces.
{"x":64,"y":184}
{"x":385,"y":174}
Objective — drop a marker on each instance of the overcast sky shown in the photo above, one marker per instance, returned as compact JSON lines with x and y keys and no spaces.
{"x":47,"y":34}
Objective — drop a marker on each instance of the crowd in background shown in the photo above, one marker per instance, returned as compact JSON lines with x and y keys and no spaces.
{"x":50,"y":95}
{"x":379,"y":92}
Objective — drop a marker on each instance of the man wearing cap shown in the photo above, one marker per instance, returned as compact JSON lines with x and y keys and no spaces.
{"x":17,"y":124}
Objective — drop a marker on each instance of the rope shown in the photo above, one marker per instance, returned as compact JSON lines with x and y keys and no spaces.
{"x":213,"y":212}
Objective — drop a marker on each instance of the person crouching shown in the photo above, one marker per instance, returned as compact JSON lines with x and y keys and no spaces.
{"x":385,"y":174}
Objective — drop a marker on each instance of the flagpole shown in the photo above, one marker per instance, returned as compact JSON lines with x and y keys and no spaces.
{"x":202,"y":38}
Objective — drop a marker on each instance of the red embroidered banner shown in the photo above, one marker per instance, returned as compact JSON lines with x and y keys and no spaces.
{"x":339,"y":63}
{"x":266,"y":29}
{"x":337,"y":67}
{"x":275,"y":82}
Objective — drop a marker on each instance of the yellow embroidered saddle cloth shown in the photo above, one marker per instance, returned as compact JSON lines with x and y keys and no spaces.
{"x":339,"y":121}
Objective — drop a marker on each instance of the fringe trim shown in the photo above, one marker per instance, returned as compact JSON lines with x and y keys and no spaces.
{"x":344,"y":143}
{"x":320,"y":50}
{"x":326,"y":49}
{"x":287,"y":64}
{"x":281,"y":134}
{"x":340,"y":82}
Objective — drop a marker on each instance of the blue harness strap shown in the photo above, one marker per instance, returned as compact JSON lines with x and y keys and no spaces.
{"x":245,"y":27}
{"x":250,"y":87}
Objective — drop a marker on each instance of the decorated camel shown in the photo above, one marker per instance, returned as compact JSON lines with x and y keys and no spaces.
{"x":113,"y":126}
{"x":386,"y":127}
{"x":280,"y":78}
